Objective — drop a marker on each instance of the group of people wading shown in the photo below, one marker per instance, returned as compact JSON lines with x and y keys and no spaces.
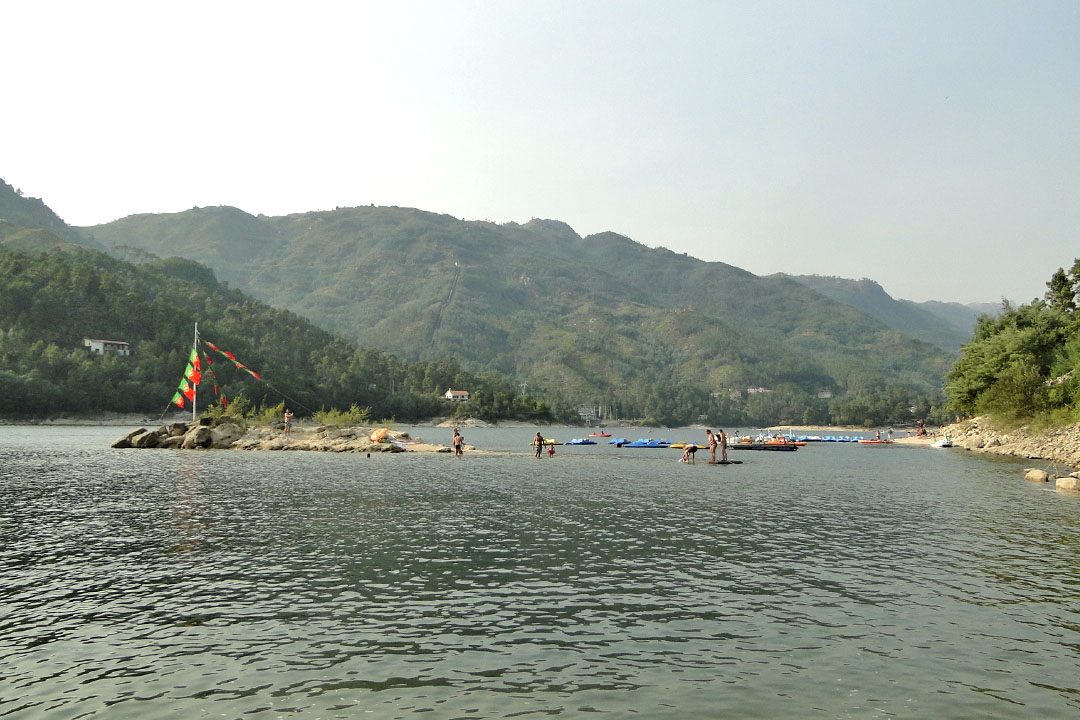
{"x":539,"y":442}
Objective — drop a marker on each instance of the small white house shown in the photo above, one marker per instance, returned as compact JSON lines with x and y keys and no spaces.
{"x":457,"y":395}
{"x":100,"y":347}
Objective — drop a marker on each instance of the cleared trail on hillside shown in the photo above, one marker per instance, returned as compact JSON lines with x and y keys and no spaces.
{"x":445,"y":304}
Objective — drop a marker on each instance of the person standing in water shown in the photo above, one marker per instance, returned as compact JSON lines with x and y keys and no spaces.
{"x":712,"y":446}
{"x":539,"y":443}
{"x":722,"y":440}
{"x":458,"y":443}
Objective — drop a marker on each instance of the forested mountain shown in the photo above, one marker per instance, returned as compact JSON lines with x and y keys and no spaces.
{"x":946,"y":325}
{"x":50,"y":300}
{"x":598,"y":320}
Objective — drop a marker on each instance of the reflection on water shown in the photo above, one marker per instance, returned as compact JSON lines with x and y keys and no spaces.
{"x":836,"y":581}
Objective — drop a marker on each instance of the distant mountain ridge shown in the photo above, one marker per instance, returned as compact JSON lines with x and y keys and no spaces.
{"x":598,"y":319}
{"x":946,"y":325}
{"x":55,"y":293}
{"x":30,"y":223}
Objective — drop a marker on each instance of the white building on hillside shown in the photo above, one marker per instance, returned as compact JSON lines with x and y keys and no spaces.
{"x":100,"y":347}
{"x":457,"y":395}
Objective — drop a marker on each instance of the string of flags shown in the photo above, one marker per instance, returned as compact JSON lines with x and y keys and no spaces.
{"x":193,"y":374}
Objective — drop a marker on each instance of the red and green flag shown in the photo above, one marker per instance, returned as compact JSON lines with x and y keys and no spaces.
{"x":237,"y":363}
{"x":213,"y":376}
{"x":188,"y":391}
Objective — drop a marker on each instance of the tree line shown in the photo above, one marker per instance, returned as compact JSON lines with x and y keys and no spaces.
{"x":1025,"y":363}
{"x":50,"y":301}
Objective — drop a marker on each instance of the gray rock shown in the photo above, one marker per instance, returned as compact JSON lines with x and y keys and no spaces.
{"x":1036,"y":475}
{"x":171,"y":442}
{"x":177,"y":429}
{"x":125,"y":441}
{"x":224,"y":435}
{"x":146,"y":439}
{"x":1068,"y":483}
{"x":197,"y":437}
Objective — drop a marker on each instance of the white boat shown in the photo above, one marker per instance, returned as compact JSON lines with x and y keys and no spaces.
{"x":944,"y":441}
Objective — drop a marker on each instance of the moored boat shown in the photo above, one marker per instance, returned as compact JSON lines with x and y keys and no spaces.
{"x":648,"y":443}
{"x":790,"y":447}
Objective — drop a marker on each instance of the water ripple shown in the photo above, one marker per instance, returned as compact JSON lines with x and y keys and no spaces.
{"x":838,"y":583}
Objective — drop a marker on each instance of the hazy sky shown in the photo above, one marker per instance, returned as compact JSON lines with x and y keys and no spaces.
{"x":931,"y":146}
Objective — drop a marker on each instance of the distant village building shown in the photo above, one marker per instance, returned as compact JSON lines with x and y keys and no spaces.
{"x":457,"y":395}
{"x":824,"y":394}
{"x":751,"y":391}
{"x":588,"y":414}
{"x":100,"y":347}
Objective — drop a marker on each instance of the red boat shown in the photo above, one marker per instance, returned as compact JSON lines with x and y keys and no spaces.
{"x":599,"y":434}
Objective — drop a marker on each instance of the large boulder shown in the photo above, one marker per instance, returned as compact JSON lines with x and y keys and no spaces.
{"x":177,"y":429}
{"x":125,"y":441}
{"x":197,"y":437}
{"x":172,"y":442}
{"x":1072,"y":482}
{"x":146,"y":439}
{"x":1036,"y":475}
{"x":225,"y":434}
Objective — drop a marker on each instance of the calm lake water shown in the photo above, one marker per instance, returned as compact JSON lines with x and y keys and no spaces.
{"x":838,"y":581}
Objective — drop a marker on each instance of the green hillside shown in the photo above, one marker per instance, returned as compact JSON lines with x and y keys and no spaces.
{"x":941,"y":324}
{"x":28,"y":223}
{"x":595,"y":320}
{"x":51,"y":300}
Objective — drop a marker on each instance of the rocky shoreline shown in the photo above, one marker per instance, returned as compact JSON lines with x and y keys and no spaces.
{"x":205,"y":435}
{"x":1058,"y":446}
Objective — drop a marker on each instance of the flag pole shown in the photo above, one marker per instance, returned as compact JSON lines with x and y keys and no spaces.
{"x":195,"y":386}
